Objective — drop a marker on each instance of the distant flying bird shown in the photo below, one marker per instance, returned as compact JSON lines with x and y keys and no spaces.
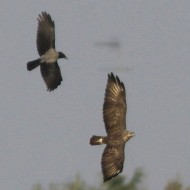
{"x":114,"y":43}
{"x":45,"y":41}
{"x":114,"y":114}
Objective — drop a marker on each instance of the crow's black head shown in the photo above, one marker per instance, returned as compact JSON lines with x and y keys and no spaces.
{"x":62,"y":55}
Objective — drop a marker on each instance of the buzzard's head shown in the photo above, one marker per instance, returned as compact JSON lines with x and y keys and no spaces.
{"x":62,"y":55}
{"x":127,"y":135}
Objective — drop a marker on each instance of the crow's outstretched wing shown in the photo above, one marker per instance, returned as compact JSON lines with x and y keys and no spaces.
{"x":45,"y":34}
{"x":51,"y":74}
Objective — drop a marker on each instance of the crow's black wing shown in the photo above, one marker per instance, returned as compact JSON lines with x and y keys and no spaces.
{"x":45,"y":34}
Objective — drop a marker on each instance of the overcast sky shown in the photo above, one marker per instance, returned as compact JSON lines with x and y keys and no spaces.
{"x":45,"y":135}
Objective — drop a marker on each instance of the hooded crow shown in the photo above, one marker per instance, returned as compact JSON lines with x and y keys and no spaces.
{"x":45,"y":42}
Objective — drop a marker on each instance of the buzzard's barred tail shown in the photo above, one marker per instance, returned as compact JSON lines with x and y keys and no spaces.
{"x":97,"y":140}
{"x":33,"y":64}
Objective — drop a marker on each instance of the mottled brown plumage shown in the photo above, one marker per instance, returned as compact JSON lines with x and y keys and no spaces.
{"x":114,"y":114}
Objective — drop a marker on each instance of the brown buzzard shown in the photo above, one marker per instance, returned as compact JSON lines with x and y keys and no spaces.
{"x":48,"y":55}
{"x":114,"y":114}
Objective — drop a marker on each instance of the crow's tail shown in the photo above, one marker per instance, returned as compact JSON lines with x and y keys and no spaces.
{"x":33,"y":64}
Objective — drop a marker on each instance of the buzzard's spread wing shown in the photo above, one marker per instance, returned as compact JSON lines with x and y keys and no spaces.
{"x":45,"y":34}
{"x":114,"y":108}
{"x":51,"y":75}
{"x":112,"y":161}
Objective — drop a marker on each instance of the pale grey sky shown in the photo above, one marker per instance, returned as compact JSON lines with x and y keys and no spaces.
{"x":45,"y":136}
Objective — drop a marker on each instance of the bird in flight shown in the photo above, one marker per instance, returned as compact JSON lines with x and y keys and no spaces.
{"x":45,"y":42}
{"x":114,"y":115}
